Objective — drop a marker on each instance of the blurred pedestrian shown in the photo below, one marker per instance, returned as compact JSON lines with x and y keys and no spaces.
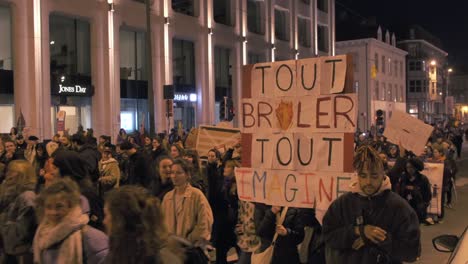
{"x":133,"y":215}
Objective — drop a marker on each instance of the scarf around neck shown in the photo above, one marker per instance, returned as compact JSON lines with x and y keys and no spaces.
{"x":66,"y":234}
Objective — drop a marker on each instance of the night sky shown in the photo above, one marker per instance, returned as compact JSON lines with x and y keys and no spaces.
{"x":447,"y":20}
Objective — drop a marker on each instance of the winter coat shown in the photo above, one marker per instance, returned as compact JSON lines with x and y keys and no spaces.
{"x":225,"y":213}
{"x":19,"y":225}
{"x":69,"y":238}
{"x":384,"y":209}
{"x":90,"y":156}
{"x":419,"y":196}
{"x":285,"y":250}
{"x":109,"y":172}
{"x":195,"y":219}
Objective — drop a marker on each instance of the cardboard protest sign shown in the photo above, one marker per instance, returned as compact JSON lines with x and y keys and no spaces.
{"x":297,"y":132}
{"x":411,"y":132}
{"x":292,"y":188}
{"x":61,"y":122}
{"x":215,"y":137}
{"x":435,"y":172}
{"x":191,"y":140}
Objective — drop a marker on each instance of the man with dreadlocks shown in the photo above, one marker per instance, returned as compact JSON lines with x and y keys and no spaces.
{"x":371,"y":224}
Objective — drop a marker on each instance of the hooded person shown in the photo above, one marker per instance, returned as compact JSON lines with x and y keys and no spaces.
{"x":370,"y":224}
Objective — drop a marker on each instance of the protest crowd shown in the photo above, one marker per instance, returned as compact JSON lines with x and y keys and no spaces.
{"x":150,"y":199}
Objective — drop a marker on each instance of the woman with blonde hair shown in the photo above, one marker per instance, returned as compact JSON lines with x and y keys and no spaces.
{"x":63,"y":235}
{"x":133,"y":215}
{"x":18,"y":223}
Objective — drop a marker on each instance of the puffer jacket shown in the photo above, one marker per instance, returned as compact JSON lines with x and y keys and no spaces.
{"x":384,"y":209}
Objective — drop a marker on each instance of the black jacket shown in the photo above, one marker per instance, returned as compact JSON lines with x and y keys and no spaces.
{"x":90,"y":156}
{"x":419,"y":196}
{"x":386,"y":210}
{"x":286,"y":246}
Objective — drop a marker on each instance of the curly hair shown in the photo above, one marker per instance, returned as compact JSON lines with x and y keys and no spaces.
{"x":137,"y":231}
{"x":367,"y":157}
{"x":65,"y":186}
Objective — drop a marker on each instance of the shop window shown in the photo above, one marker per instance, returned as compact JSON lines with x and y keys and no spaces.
{"x":282,"y":24}
{"x":255,"y":15}
{"x":70,"y":70}
{"x":186,"y":7}
{"x":303,"y":31}
{"x":322,"y":34}
{"x":222,"y":12}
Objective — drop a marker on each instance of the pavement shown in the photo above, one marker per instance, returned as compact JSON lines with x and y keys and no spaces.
{"x":455,"y":221}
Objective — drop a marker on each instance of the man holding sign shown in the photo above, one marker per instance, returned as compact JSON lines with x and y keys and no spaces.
{"x":371,"y":224}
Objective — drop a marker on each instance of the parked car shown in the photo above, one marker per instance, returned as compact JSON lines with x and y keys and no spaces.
{"x":457,"y":245}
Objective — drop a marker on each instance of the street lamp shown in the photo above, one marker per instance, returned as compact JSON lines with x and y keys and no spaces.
{"x":433,"y":63}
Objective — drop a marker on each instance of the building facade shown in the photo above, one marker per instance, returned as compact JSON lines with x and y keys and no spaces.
{"x":379,"y":76}
{"x":91,"y":58}
{"x":427,"y":73}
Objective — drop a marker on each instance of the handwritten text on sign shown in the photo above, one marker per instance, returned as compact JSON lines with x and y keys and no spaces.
{"x":291,"y":188}
{"x":326,"y":113}
{"x":301,"y":152}
{"x":325,"y":75}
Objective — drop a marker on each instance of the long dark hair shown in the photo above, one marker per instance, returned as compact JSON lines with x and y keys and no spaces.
{"x":137,"y":232}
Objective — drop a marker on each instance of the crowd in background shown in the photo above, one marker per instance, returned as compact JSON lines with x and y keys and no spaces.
{"x":83,"y":199}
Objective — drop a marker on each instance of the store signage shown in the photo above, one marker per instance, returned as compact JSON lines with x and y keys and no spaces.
{"x":72,"y":90}
{"x":184,"y":97}
{"x":181,"y":97}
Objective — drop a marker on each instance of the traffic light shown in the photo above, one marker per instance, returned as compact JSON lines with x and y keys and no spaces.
{"x":230,"y":110}
{"x":222,"y":110}
{"x":380,"y":118}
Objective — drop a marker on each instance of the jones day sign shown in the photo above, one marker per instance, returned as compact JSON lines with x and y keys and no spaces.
{"x":297,"y":127}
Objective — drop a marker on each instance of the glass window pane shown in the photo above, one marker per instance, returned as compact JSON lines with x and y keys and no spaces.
{"x":184,"y":6}
{"x":281,"y":24}
{"x":254,"y":16}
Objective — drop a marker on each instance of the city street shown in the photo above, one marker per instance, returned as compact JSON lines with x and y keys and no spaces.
{"x":455,"y":221}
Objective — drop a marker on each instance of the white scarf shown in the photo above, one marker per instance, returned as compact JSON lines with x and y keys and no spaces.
{"x":67,"y":233}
